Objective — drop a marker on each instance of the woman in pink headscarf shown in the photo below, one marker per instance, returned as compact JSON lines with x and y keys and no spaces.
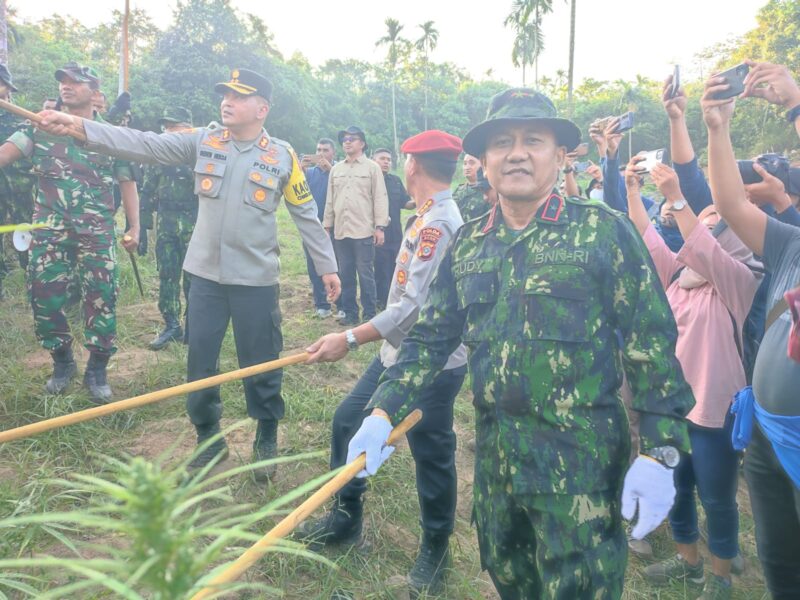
{"x":710,"y":284}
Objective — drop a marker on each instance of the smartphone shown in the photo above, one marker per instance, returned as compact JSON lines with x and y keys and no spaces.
{"x":582,"y":149}
{"x":625,"y":123}
{"x":651,"y":159}
{"x":580,"y":167}
{"x":735,"y":78}
{"x":676,"y":82}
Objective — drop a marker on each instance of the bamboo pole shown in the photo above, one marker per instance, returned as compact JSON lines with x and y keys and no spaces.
{"x":149,"y":398}
{"x":299,"y":514}
{"x":34,"y":118}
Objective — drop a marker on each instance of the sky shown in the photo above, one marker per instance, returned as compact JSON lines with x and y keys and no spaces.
{"x":615,"y":39}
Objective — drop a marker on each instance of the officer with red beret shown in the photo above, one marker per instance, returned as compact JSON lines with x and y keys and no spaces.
{"x":430,"y":164}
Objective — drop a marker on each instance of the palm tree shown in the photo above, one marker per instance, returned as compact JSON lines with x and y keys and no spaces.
{"x":392,"y":39}
{"x":526,"y":20}
{"x":427,"y":43}
{"x":571,"y":57}
{"x":3,"y":33}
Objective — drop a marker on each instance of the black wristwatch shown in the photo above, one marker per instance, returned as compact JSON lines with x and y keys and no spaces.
{"x":569,"y":170}
{"x":793,"y":114}
{"x":666,"y":455}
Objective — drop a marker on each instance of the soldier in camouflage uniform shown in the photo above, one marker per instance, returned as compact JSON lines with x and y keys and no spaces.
{"x":469,"y":196}
{"x":76,"y":205}
{"x":170,"y":190}
{"x":536,"y":290}
{"x":17,"y":184}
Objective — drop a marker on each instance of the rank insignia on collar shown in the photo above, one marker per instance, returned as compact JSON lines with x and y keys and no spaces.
{"x":226,"y":135}
{"x":552,"y":208}
{"x":425,"y":207}
{"x":263,"y":142}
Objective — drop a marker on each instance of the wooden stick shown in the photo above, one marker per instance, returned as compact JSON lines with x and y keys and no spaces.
{"x":34,"y":118}
{"x":149,"y":398}
{"x":299,"y":514}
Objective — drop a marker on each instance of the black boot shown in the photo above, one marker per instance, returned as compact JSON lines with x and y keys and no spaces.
{"x":340,"y":525}
{"x":427,"y":574}
{"x":95,"y":380}
{"x":172,"y":332}
{"x":265,"y":446}
{"x":64,"y":369}
{"x":219,"y":447}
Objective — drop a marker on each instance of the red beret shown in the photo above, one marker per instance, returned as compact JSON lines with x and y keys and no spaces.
{"x":433,"y":141}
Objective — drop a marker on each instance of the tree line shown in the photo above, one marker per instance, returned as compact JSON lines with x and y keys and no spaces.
{"x":391,"y":99}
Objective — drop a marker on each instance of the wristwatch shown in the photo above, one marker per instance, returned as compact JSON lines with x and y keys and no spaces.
{"x":352,"y":342}
{"x":677,"y":205}
{"x":793,"y":114}
{"x":666,"y":455}
{"x":568,"y":170}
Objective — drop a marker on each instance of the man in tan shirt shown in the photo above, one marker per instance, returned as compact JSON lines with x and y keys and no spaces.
{"x":357,"y":210}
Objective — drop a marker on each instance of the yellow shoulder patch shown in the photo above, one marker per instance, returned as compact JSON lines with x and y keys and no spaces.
{"x":297,"y":191}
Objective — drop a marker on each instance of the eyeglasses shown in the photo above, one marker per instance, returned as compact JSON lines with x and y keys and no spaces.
{"x":350,"y":138}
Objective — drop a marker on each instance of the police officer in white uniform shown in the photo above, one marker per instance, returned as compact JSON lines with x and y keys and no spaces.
{"x":431,"y":163}
{"x":240,"y":175}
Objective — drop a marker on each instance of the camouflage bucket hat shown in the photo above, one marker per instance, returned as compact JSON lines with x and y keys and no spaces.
{"x":175,"y":115}
{"x":521,"y":105}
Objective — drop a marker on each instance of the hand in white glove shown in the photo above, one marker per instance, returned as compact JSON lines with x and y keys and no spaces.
{"x":651,"y":486}
{"x":371,"y":438}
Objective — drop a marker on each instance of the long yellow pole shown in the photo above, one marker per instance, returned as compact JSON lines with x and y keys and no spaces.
{"x":145,"y":399}
{"x":34,"y":118}
{"x":299,"y":514}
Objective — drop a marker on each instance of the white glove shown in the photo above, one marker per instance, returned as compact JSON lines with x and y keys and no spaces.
{"x":651,"y":486}
{"x":371,"y":438}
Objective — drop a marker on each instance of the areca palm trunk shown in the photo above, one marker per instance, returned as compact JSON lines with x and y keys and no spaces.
{"x":394,"y":119}
{"x":571,"y":57}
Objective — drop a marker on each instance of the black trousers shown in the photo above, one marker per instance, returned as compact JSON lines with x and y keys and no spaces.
{"x":357,"y":257}
{"x":432,"y":442}
{"x":385,"y":259}
{"x":776,"y":512}
{"x":256,"y":320}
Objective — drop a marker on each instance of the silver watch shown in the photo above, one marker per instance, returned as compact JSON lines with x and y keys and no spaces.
{"x":352,"y":342}
{"x":677,"y":205}
{"x":666,"y":455}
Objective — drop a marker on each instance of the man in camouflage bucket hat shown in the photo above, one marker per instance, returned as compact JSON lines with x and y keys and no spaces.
{"x":537,"y":290}
{"x":76,"y":204}
{"x":170,"y":190}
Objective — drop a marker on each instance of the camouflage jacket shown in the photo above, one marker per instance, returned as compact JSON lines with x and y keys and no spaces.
{"x":541,"y":312}
{"x":470,"y":202}
{"x":170,"y":189}
{"x":9,"y":125}
{"x":71,"y":178}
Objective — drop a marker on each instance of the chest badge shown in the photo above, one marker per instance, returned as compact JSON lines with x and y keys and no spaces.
{"x":206,"y":184}
{"x":255,"y":176}
{"x":210,"y":168}
{"x":260,"y":195}
{"x":402,"y":277}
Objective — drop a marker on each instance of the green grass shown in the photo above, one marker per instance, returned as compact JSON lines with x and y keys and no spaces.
{"x":312,"y":394}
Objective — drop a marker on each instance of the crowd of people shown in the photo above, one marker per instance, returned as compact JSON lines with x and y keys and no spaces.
{"x":624,"y":350}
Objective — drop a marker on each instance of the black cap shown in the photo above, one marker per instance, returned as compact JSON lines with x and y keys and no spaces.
{"x":176,"y":115}
{"x":521,"y":105}
{"x":5,"y":77}
{"x":78,"y":73}
{"x":247,"y":83}
{"x":353,"y":130}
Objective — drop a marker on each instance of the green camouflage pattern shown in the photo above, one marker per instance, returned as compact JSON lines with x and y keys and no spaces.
{"x":471,"y":202}
{"x":539,"y":311}
{"x":550,"y":545}
{"x":76,"y":203}
{"x":17,"y":188}
{"x":171,"y":190}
